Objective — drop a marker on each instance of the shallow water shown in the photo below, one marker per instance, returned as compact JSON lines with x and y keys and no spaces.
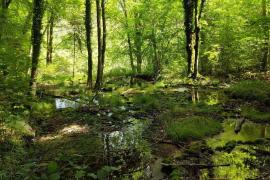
{"x":61,"y":103}
{"x":126,"y":146}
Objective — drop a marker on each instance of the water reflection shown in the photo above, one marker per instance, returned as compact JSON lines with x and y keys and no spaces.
{"x":65,"y":103}
{"x":127,"y":148}
{"x":239,"y":151}
{"x":249,"y":132}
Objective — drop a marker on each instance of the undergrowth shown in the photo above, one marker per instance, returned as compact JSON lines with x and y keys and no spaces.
{"x":195,"y":127}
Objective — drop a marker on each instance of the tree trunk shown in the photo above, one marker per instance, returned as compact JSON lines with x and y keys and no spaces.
{"x":193,"y":16}
{"x":104,"y":36}
{"x":188,"y":7}
{"x":123,"y":5}
{"x":88,"y":27}
{"x":265,"y":49}
{"x":36,"y":41}
{"x":156,"y":59}
{"x":138,"y":42}
{"x":50,"y":38}
{"x":99,"y":73}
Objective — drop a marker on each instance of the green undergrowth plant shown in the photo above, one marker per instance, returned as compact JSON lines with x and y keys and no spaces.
{"x":147,"y":102}
{"x":250,"y":90}
{"x":112,"y":99}
{"x":255,"y":115}
{"x":195,"y":127}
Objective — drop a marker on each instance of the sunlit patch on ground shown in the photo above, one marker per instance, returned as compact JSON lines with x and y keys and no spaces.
{"x":66,"y":131}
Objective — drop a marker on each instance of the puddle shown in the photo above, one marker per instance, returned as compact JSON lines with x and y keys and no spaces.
{"x":244,"y":157}
{"x":126,"y":147}
{"x":65,"y":103}
{"x":249,"y":132}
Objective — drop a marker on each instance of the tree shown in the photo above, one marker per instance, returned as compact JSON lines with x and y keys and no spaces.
{"x":88,"y":27}
{"x":101,"y":35}
{"x":193,"y":13}
{"x":138,"y":39}
{"x":36,"y":41}
{"x":126,"y":25}
{"x":265,"y":49}
{"x":50,"y":29}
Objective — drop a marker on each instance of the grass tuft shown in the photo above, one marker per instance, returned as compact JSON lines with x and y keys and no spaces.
{"x":195,"y":127}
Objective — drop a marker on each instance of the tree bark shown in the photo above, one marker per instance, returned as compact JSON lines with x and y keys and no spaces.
{"x":104,"y":36}
{"x":50,"y":38}
{"x":188,"y":7}
{"x":36,"y":41}
{"x":99,"y":70}
{"x":88,"y":27}
{"x":265,"y":49}
{"x":193,"y":14}
{"x":130,"y":51}
{"x":138,"y":42}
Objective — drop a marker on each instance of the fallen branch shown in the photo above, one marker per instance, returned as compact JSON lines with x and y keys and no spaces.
{"x":201,"y":166}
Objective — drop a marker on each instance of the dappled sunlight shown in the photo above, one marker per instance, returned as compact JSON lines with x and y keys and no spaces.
{"x":66,"y":131}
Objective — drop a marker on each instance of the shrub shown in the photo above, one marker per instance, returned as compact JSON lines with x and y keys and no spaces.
{"x":195,"y":127}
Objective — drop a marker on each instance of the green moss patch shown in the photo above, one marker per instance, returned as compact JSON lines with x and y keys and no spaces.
{"x":250,"y":91}
{"x":195,"y":127}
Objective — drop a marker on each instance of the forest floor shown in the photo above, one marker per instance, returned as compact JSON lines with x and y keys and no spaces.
{"x":149,"y":131}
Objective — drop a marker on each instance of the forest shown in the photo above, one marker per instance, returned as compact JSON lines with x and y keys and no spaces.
{"x":134,"y":89}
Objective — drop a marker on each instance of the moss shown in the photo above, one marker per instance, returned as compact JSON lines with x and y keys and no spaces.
{"x":195,"y":127}
{"x":250,"y":91}
{"x":255,"y":115}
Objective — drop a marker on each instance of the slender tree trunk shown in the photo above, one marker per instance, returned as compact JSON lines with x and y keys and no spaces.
{"x":36,"y":41}
{"x":104,"y":36}
{"x":50,"y":38}
{"x":188,"y":7}
{"x":156,"y":59}
{"x":99,"y":73}
{"x":88,"y":27}
{"x":74,"y":56}
{"x":130,"y":51}
{"x":138,"y":42}
{"x":265,"y":49}
{"x":193,"y":14}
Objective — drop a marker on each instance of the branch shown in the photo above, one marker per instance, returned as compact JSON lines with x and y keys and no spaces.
{"x":203,"y":2}
{"x":201,"y":166}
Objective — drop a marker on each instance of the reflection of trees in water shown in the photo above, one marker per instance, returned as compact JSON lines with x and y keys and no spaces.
{"x":195,"y":97}
{"x":126,"y":147}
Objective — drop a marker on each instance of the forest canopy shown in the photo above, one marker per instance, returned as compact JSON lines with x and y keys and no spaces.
{"x":76,"y":41}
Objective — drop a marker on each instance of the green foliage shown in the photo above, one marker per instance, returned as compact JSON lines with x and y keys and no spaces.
{"x":112,"y":99}
{"x":42,"y":110}
{"x":195,"y":127}
{"x":147,"y":102}
{"x":255,"y":115}
{"x":250,"y":90}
